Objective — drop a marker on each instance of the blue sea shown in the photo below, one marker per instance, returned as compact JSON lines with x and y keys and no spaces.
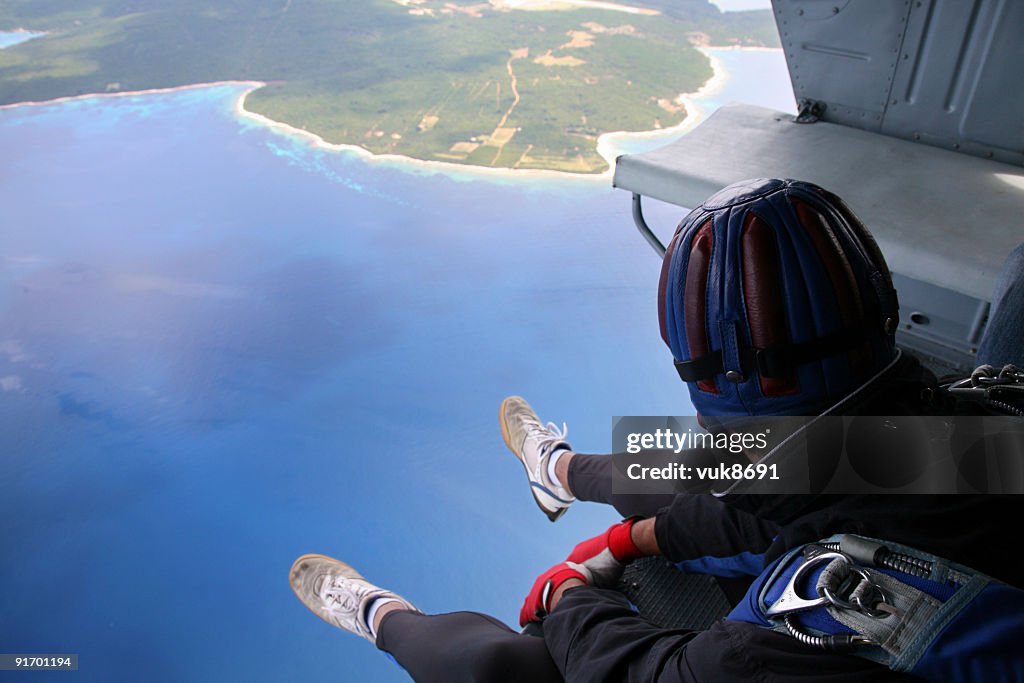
{"x":222,"y":347}
{"x":12,"y":38}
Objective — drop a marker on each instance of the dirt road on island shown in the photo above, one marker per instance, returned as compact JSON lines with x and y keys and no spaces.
{"x":501,"y":135}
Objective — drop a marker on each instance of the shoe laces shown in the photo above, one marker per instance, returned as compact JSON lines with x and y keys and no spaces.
{"x":340,"y":598}
{"x":545,"y":436}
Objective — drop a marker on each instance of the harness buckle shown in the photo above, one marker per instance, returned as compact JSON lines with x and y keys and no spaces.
{"x":790,"y":601}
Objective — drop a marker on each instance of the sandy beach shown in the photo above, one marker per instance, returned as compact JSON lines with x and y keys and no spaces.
{"x":608,"y":145}
{"x":131,"y":93}
{"x":548,"y":5}
{"x":402,"y":160}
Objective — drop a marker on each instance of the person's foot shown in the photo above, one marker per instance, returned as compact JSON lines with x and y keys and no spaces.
{"x":337,"y":593}
{"x":533,"y":443}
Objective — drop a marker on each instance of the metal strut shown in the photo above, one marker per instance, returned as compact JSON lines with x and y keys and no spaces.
{"x":645,"y":230}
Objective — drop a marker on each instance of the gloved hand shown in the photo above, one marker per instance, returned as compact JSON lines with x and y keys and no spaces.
{"x":606,"y":554}
{"x":598,"y":561}
{"x":538,"y":600}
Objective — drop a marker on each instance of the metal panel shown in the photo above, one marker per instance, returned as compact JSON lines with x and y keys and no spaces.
{"x":843,"y":54}
{"x":958,"y":83}
{"x":942,"y":72}
{"x":942,"y":326}
{"x":943,"y":218}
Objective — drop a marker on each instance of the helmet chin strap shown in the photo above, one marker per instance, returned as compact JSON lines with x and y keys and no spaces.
{"x":836,"y":409}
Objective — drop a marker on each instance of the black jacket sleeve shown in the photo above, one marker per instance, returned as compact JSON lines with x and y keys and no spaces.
{"x":594,"y":636}
{"x":697,"y":526}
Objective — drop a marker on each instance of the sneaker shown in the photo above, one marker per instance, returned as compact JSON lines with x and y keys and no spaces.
{"x":336,"y":593}
{"x":533,"y":443}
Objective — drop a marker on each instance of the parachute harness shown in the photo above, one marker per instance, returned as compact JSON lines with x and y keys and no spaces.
{"x":846,"y":585}
{"x":900,"y":607}
{"x":998,"y":388}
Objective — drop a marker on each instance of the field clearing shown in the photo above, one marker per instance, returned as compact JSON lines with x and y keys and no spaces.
{"x":547,"y":59}
{"x":500,"y":136}
{"x":578,"y":39}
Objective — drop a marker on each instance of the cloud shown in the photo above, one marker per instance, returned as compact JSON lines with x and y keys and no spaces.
{"x":13,"y":350}
{"x":175,"y":287}
{"x":10,"y":383}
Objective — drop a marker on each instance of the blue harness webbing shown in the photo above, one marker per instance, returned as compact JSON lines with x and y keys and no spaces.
{"x":903,"y":608}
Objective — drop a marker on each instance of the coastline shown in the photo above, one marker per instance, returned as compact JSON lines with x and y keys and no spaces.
{"x":400,"y":160}
{"x":130,"y":93}
{"x":548,"y":5}
{"x":24,"y":35}
{"x":609,"y":144}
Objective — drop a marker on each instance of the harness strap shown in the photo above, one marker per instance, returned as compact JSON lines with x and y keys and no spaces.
{"x":773,"y":361}
{"x":907,"y":610}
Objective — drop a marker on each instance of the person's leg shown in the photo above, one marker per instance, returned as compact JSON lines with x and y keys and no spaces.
{"x":593,"y":634}
{"x":589,"y":477}
{"x":1003,"y":341}
{"x":464,"y":646}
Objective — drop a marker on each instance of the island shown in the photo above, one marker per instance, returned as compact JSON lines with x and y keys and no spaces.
{"x":525,"y":84}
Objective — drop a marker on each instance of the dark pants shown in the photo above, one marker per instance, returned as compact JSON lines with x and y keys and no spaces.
{"x":469,"y":646}
{"x":590,"y":478}
{"x":464,"y":647}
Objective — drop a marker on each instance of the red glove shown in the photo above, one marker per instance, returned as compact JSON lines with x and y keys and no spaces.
{"x":604,"y":555}
{"x":538,"y":600}
{"x":597,"y":561}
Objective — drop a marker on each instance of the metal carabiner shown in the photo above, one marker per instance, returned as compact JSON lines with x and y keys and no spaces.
{"x":790,"y":601}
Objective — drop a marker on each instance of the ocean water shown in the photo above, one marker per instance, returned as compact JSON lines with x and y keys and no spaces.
{"x":222,"y":347}
{"x":9,"y":38}
{"x":739,"y":5}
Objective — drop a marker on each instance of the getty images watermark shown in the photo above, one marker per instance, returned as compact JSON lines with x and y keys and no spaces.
{"x":834,"y":455}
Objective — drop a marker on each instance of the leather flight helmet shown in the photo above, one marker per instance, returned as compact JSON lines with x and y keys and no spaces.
{"x":775,"y":300}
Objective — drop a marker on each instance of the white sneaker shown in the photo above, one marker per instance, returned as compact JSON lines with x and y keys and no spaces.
{"x":336,"y":593}
{"x":533,"y":443}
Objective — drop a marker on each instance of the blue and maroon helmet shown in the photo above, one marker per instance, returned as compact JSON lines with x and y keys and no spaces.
{"x":775,"y":300}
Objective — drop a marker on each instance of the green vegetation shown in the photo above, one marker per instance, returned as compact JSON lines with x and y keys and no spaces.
{"x":455,"y":81}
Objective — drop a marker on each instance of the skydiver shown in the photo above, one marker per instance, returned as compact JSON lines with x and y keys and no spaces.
{"x":774,"y":300}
